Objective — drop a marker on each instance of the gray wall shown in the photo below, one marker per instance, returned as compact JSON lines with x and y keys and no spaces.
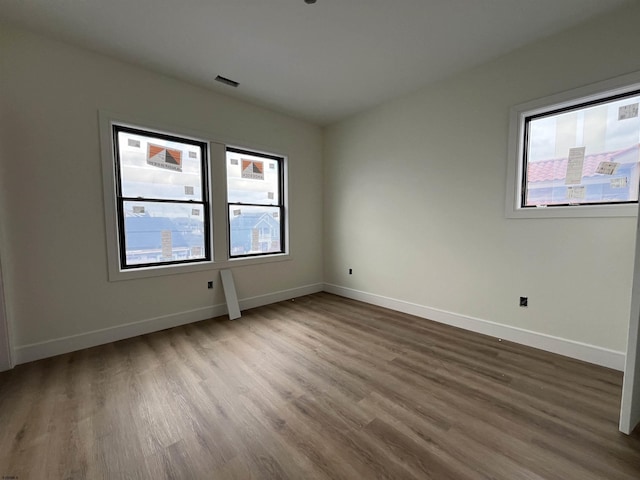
{"x":53,"y":228}
{"x":415,"y":189}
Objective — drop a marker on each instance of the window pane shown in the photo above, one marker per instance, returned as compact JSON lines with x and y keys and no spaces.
{"x":252,"y":179}
{"x":584,"y":156}
{"x":254,"y":230}
{"x":152,"y":167}
{"x":163,"y":232}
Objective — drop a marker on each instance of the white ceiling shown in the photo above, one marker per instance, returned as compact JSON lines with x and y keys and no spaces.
{"x":319,"y":62}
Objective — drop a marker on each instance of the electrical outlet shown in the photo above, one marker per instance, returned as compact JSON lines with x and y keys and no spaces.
{"x":524,"y":301}
{"x":210,"y":284}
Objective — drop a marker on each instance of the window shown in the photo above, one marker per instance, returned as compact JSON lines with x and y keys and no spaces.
{"x":585,"y":154}
{"x":255,"y":203}
{"x":162,"y":198}
{"x":178,"y":201}
{"x":577,"y":153}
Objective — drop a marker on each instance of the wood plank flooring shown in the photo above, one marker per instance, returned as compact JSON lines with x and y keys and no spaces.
{"x":316,"y":388}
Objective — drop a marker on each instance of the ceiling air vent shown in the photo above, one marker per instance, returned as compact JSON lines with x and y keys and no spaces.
{"x":227,"y":81}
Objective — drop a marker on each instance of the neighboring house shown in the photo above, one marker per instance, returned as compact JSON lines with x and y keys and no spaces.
{"x":145,"y":236}
{"x":545,"y":179}
{"x":254,"y":233}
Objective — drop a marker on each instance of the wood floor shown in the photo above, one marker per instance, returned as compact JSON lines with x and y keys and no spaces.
{"x":317,"y":388}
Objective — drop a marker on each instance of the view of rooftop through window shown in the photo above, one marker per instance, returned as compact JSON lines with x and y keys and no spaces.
{"x":587,"y":154}
{"x":162,"y":199}
{"x":254,"y":197}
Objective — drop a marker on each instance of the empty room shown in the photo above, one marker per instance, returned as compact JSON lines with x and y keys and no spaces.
{"x":330,"y":239}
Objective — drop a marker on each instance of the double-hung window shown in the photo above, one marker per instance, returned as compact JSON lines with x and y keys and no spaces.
{"x":162,"y":198}
{"x":255,"y":203}
{"x":180,"y":201}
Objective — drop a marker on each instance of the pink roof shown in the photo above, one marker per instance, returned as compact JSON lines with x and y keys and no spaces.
{"x":556,"y":169}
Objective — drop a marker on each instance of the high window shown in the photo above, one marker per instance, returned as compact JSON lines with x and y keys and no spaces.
{"x":576,"y":154}
{"x":162,"y":198}
{"x":255,"y":203}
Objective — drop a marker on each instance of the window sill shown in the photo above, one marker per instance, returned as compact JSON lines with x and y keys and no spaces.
{"x":159,"y":271}
{"x":583,"y":211}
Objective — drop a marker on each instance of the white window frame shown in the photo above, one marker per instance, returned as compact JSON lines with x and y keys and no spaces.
{"x":515,"y":159}
{"x":217,"y":197}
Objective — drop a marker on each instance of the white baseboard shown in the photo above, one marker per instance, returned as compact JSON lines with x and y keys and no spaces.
{"x":58,"y":346}
{"x":569,"y":348}
{"x":581,"y":351}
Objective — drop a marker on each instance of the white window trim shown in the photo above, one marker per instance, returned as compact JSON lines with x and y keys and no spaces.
{"x":518,"y":113}
{"x":218,"y":198}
